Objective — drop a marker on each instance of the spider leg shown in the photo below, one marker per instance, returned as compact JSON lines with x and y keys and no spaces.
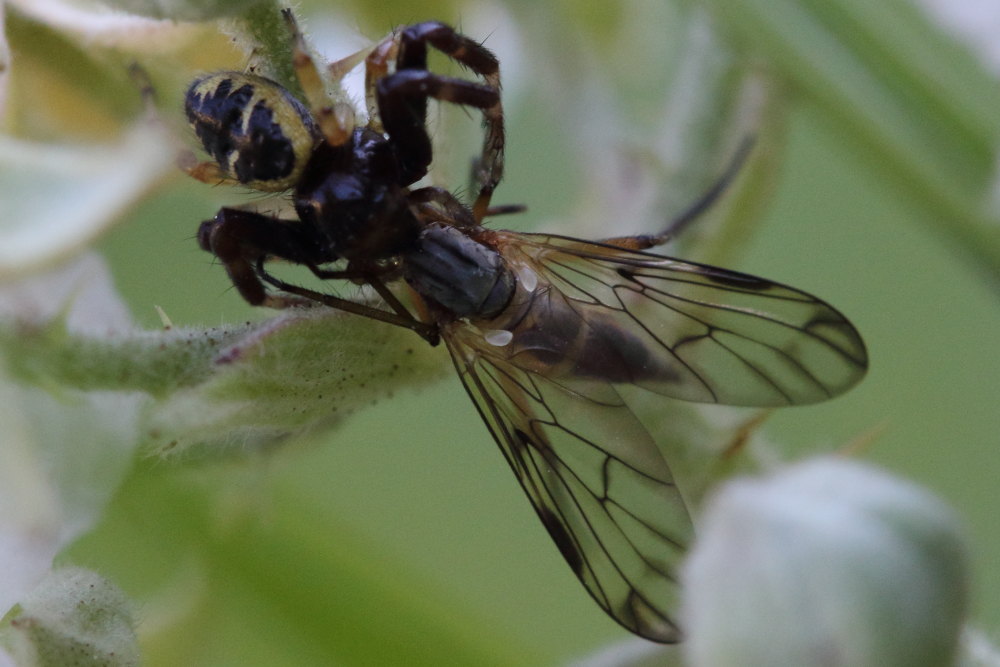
{"x":335,"y":119}
{"x":413,"y":43}
{"x":454,"y":210}
{"x":338,"y":69}
{"x":362,"y":273}
{"x":391,"y":299}
{"x":243,"y":240}
{"x":402,"y":101}
{"x":505,"y":209}
{"x":397,"y":101}
{"x":367,"y":274}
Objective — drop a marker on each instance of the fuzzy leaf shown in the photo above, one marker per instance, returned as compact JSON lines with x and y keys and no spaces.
{"x":296,"y":373}
{"x":64,"y":450}
{"x":74,"y":618}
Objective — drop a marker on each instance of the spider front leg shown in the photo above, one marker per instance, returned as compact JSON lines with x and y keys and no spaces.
{"x":402,"y":99}
{"x":243,"y":240}
{"x":413,"y":55}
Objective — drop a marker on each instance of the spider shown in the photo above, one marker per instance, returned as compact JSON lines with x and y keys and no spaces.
{"x":350,"y":183}
{"x":543,"y":330}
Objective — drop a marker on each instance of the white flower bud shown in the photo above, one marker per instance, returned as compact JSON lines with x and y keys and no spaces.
{"x":825,"y":563}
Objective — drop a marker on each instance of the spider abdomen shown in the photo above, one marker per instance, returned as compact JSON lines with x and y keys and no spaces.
{"x":256,"y":131}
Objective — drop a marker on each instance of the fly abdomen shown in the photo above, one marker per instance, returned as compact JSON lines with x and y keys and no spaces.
{"x":459,"y":273}
{"x":551,"y":337}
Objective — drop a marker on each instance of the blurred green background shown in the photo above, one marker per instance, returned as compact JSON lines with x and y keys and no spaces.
{"x":403,"y":537}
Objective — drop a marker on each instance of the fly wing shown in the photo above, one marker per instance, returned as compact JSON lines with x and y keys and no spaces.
{"x":595,"y":477}
{"x":676,"y":328}
{"x":588,"y":318}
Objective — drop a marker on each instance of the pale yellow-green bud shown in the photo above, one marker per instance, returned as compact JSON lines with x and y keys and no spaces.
{"x":825,"y":563}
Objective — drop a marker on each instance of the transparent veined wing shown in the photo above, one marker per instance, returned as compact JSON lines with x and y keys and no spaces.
{"x":595,"y":477}
{"x":587,"y":318}
{"x":676,"y":328}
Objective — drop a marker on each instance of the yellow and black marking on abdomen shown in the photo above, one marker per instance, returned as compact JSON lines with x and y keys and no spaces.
{"x":256,"y":131}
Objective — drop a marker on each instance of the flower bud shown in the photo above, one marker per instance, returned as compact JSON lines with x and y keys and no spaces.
{"x":825,"y":563}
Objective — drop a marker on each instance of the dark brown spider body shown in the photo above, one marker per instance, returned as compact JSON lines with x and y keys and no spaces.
{"x":349,"y":186}
{"x":352,"y":195}
{"x":356,"y":195}
{"x":543,"y":330}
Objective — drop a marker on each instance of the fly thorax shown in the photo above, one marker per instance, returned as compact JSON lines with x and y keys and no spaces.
{"x":457,"y":272}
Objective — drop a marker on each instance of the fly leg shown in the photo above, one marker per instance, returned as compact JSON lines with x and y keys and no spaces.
{"x":428,"y":332}
{"x":693,"y":212}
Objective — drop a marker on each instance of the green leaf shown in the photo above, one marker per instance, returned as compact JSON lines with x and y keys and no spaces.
{"x":298,"y":372}
{"x":245,"y":384}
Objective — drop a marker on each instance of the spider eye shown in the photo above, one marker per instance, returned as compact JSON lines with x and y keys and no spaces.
{"x":253,"y":128}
